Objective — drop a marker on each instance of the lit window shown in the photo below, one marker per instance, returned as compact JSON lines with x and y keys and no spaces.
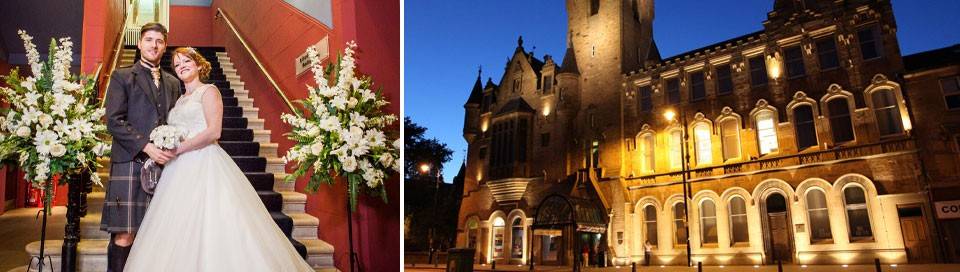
{"x":887,"y":111}
{"x":650,"y":224}
{"x":804,"y":125}
{"x":818,"y":216}
{"x":738,"y":220}
{"x":679,"y":221}
{"x":766,"y":132}
{"x":498,"y":225}
{"x":840,"y":124}
{"x":646,"y":152}
{"x":730,"y":132}
{"x":857,"y":217}
{"x":701,"y":133}
{"x":516,"y":245}
{"x":676,"y":145}
{"x":708,"y":222}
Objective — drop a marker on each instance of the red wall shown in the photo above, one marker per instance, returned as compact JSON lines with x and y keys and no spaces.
{"x":102,"y":21}
{"x":190,"y":26}
{"x":278,"y":34}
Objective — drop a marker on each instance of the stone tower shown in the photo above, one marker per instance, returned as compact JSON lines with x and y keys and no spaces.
{"x":609,"y":39}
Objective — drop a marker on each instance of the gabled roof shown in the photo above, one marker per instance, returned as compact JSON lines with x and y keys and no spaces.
{"x":932,"y":59}
{"x":515,"y":105}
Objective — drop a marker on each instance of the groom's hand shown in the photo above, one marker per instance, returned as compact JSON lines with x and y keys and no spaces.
{"x":158,"y":155}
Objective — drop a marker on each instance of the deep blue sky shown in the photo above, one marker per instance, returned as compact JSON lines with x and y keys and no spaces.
{"x":446,"y":40}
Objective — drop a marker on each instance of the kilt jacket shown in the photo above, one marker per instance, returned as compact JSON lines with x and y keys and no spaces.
{"x":135,"y":106}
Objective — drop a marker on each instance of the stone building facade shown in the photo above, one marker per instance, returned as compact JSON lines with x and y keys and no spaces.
{"x":796,"y":142}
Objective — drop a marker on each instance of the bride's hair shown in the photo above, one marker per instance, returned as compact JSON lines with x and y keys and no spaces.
{"x":202,"y":63}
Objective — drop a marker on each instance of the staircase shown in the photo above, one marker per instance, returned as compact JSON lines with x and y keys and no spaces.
{"x":248,"y":143}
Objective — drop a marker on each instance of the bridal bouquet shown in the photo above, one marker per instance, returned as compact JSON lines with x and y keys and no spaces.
{"x":342,"y":133}
{"x":52,"y":125}
{"x":167,"y":137}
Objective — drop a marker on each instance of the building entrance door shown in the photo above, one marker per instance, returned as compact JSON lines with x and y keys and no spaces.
{"x":916,"y":238}
{"x":779,"y":240}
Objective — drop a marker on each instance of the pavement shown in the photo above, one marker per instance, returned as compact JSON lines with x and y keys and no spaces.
{"x":19,"y":227}
{"x":761,"y":268}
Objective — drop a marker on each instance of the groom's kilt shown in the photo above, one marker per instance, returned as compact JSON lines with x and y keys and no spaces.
{"x":125,"y":203}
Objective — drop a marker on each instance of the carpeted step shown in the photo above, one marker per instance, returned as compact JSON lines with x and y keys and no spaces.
{"x":250,"y":149}
{"x":236,"y":134}
{"x":261,"y":181}
{"x":251,"y":164}
{"x":284,"y":222}
{"x":229,"y":101}
{"x":234,"y":122}
{"x":232,"y":112}
{"x":271,"y":199}
{"x":302,"y":249}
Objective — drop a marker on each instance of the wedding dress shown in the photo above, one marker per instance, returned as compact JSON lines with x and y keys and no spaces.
{"x":205,"y":215}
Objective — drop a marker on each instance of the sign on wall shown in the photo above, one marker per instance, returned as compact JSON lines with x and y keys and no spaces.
{"x":303,"y":62}
{"x":947,"y":209}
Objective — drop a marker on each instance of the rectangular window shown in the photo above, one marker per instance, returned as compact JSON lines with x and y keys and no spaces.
{"x":646,"y":152}
{"x":827,"y":53}
{"x":887,"y":111}
{"x":679,"y":223}
{"x":673,"y":91}
{"x":482,"y":153}
{"x":485,"y":107}
{"x":951,"y":91}
{"x":724,"y":80}
{"x":646,"y":99}
{"x":594,"y":7}
{"x":650,"y":224}
{"x":547,"y":84}
{"x":676,"y":138}
{"x":870,"y":43}
{"x":738,"y":220}
{"x":758,"y":71}
{"x":697,"y":89}
{"x":794,"y":61}
{"x":708,"y":222}
{"x":516,"y":85}
{"x":701,"y":134}
{"x":545,"y":139}
{"x":840,"y":123}
{"x":804,"y":126}
{"x":730,"y":133}
{"x":522,"y":141}
{"x":767,"y":132}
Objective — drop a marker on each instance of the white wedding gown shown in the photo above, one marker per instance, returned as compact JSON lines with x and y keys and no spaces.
{"x":205,"y":215}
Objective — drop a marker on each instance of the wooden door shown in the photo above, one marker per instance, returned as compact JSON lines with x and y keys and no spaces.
{"x":916,"y":239}
{"x":780,"y":242}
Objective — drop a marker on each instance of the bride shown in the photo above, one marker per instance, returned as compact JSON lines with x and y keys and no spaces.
{"x":205,"y":215}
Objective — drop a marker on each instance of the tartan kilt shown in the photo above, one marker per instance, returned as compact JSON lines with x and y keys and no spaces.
{"x":125,"y":203}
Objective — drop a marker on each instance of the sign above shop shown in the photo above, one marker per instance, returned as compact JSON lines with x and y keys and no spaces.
{"x":947,"y":209}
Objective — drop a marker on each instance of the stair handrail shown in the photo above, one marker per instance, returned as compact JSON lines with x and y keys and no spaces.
{"x":263,"y":69}
{"x":117,"y":52}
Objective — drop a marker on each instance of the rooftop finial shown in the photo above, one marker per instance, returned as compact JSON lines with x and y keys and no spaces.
{"x":479,"y":70}
{"x":520,"y":41}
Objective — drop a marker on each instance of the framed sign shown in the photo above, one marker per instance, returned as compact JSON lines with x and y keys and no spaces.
{"x":303,"y":62}
{"x":947,"y":209}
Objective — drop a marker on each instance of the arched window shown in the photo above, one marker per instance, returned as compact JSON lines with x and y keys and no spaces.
{"x":766,"y":132}
{"x":701,"y":134}
{"x":738,"y":220}
{"x":650,"y":224}
{"x":646,"y":152}
{"x":676,"y":143}
{"x":497,"y":240}
{"x":679,"y":221}
{"x":855,"y":202}
{"x":818,"y":216}
{"x":803,"y":123}
{"x":730,"y":136}
{"x":708,"y":222}
{"x":887,"y":111}
{"x":840,"y":123}
{"x":516,"y":245}
{"x":472,"y":229}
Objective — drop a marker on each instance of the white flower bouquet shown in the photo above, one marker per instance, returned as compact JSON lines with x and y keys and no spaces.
{"x":167,"y":137}
{"x":52,"y":126}
{"x":342,"y":133}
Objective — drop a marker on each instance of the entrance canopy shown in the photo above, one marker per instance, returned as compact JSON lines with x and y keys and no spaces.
{"x":558,"y":211}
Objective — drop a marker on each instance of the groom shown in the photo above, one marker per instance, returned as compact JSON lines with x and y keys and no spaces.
{"x":137,"y":101}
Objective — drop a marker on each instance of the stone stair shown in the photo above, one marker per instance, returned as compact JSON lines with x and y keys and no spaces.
{"x":248,"y":143}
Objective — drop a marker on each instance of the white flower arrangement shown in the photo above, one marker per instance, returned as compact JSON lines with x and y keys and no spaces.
{"x":342,"y":134}
{"x":167,"y":137}
{"x":52,"y":126}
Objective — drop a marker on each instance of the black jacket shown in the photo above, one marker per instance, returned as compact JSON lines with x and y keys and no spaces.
{"x":134,"y":108}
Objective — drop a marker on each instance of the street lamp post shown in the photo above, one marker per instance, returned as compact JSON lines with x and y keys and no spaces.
{"x":425,"y":169}
{"x":669,"y":115}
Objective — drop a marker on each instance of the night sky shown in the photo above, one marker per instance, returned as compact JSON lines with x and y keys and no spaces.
{"x":446,"y":41}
